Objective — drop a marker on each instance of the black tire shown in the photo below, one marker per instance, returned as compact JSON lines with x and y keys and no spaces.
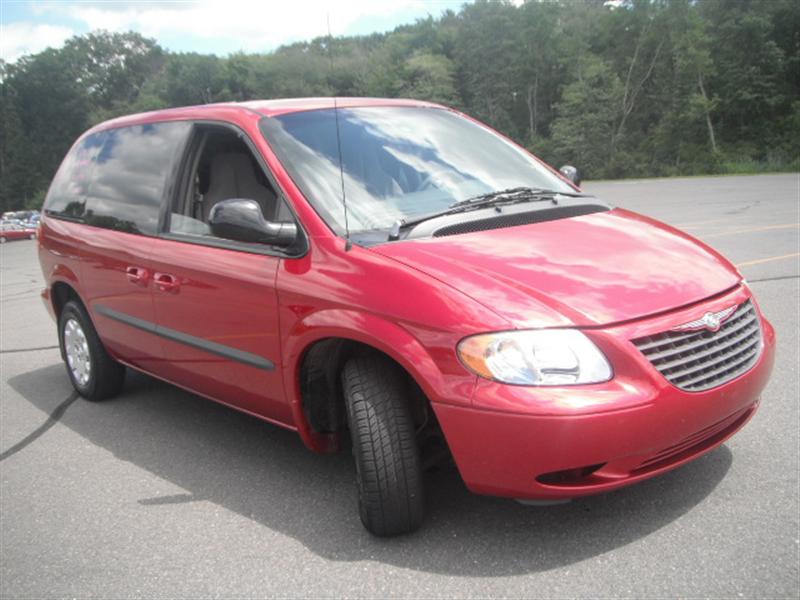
{"x":388,"y":470}
{"x":105,"y":375}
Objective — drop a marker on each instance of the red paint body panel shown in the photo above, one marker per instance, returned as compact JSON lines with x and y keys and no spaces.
{"x":363,"y":296}
{"x":501,"y":453}
{"x":584,"y":271}
{"x":622,"y":423}
{"x":226,"y":297}
{"x":616,"y":274}
{"x":104,"y":258}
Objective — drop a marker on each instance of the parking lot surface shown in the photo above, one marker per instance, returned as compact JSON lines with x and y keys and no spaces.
{"x":158,"y":493}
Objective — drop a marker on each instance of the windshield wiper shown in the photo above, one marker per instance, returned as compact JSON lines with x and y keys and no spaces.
{"x":499,"y":196}
{"x":511,"y":195}
{"x":496,"y":198}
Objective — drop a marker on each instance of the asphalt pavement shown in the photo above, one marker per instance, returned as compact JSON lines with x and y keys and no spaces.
{"x":158,"y":493}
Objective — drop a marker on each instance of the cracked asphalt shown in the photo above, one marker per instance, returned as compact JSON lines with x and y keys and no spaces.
{"x":159,"y":493}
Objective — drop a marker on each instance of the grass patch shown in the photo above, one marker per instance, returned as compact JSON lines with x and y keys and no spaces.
{"x":751,"y":167}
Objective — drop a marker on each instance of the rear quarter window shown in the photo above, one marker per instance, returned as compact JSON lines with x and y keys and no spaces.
{"x":130,"y":174}
{"x":67,"y":194}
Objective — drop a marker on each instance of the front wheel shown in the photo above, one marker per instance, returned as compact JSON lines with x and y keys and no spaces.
{"x":388,"y":470}
{"x":94,"y":374}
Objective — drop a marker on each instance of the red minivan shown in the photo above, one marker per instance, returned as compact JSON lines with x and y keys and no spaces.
{"x":394,"y":276}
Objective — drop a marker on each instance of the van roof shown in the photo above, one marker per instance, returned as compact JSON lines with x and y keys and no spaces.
{"x":270,"y":108}
{"x":267,"y":108}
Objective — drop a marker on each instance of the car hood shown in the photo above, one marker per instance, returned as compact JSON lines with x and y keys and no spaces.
{"x":583,"y":271}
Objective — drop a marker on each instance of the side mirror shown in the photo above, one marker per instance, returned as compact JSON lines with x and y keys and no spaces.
{"x":241,"y":220}
{"x":571,"y":173}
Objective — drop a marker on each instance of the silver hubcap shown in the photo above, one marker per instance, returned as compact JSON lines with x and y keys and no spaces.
{"x":77,"y":350}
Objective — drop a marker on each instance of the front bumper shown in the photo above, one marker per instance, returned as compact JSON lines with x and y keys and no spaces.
{"x":551,"y":443}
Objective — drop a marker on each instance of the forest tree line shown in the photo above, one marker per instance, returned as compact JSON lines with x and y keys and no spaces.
{"x":649,"y":88}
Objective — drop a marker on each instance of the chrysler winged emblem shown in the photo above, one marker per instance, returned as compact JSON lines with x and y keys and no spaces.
{"x":710,"y":321}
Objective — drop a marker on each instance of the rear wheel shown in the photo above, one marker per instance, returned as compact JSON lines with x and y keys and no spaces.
{"x":2,"y":240}
{"x":388,"y":471}
{"x":94,"y":374}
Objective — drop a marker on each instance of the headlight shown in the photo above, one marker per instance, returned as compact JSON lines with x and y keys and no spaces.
{"x":541,"y":357}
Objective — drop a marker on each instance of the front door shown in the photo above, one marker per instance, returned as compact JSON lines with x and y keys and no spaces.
{"x":215,"y":301}
{"x":217,"y":312}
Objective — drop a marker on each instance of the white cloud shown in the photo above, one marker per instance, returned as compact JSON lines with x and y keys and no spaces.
{"x":17,"y":39}
{"x":248,"y":25}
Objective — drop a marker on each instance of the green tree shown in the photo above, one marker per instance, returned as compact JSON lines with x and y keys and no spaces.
{"x":45,"y":109}
{"x":584,"y":129}
{"x":192,"y":78}
{"x":430,"y":77}
{"x":113,"y":68}
{"x":485,"y":52}
{"x":540,"y":69}
{"x":17,"y":165}
{"x":749,"y":67}
{"x":693,"y":69}
{"x":642,"y":87}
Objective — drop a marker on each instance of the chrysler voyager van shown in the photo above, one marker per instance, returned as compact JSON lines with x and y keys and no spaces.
{"x":395,"y":277}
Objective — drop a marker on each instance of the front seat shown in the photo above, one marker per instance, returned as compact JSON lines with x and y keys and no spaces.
{"x":231,"y":175}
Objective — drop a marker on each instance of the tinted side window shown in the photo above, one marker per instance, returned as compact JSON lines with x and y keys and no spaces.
{"x":67,"y":194}
{"x":129,"y":176}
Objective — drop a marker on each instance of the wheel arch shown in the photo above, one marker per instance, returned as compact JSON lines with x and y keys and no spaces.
{"x":316,"y":353}
{"x":61,"y":292}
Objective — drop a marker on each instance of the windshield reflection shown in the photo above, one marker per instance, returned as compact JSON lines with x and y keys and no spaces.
{"x":397,"y":163}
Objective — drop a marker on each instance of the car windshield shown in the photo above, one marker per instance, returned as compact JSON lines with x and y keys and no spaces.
{"x":397,"y":163}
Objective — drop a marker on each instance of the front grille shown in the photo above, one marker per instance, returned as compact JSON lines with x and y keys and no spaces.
{"x":700,"y":360}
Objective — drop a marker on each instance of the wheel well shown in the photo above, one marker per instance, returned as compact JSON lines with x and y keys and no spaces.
{"x":62,"y":293}
{"x":321,"y":388}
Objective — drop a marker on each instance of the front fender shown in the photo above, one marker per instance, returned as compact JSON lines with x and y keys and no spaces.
{"x":399,"y":342}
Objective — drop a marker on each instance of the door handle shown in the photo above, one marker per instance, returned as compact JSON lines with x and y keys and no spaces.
{"x":166,"y":282}
{"x":137,"y":275}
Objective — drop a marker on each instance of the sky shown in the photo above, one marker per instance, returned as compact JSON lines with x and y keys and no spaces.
{"x":209,"y":27}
